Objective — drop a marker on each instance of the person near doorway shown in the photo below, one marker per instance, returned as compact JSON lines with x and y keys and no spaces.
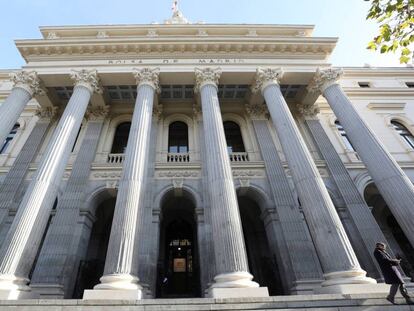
{"x":389,"y":268}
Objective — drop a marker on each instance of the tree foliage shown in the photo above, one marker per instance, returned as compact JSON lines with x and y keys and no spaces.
{"x":396,"y":27}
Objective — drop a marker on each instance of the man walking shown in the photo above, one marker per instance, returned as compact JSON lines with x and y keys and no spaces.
{"x":389,"y":268}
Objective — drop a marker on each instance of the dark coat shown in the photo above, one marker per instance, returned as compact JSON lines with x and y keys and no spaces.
{"x":389,"y":267}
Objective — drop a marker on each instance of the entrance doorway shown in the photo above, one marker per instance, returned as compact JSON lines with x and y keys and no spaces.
{"x":178,"y":269}
{"x":392,"y":231}
{"x":262,"y":263}
{"x":92,"y":267}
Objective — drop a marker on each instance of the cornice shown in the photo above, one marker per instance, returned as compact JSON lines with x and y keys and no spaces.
{"x":142,"y":29}
{"x":384,"y":92}
{"x":293,"y":47}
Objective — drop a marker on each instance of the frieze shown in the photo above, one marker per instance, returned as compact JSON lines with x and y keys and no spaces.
{"x":107,"y":175}
{"x":176,"y":61}
{"x":248,"y":173}
{"x":177,"y":174}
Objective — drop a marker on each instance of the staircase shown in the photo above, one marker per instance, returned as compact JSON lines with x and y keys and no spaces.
{"x":368,"y":302}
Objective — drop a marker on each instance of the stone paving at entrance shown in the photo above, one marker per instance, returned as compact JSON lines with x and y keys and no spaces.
{"x":371,"y":302}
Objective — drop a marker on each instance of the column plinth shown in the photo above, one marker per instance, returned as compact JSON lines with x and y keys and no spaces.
{"x":21,"y":244}
{"x":336,"y":255}
{"x":121,"y":265}
{"x":391,"y":181}
{"x":229,"y":249}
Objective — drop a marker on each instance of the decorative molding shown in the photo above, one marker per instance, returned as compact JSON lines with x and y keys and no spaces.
{"x":157,"y":111}
{"x":266,"y":76}
{"x":386,"y":106}
{"x":202,"y":33}
{"x":248,"y":173}
{"x":152,"y":33}
{"x":97,"y":113}
{"x":148,"y":76}
{"x":308,"y":111}
{"x":257,"y":111}
{"x":323,"y":79}
{"x":206,"y":76}
{"x":46,"y":113}
{"x":244,"y":183}
{"x":112,"y":184}
{"x":107,"y":175}
{"x":52,"y":36}
{"x":177,"y":174}
{"x":102,"y":34}
{"x":29,"y":81}
{"x":88,"y":79}
{"x":251,"y":33}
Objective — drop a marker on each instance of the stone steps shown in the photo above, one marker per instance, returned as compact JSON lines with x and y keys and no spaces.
{"x":367,"y":302}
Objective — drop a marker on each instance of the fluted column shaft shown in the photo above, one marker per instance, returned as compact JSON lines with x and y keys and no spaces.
{"x":393,"y":184}
{"x":20,"y":246}
{"x":121,"y":265}
{"x":26,"y":84}
{"x":58,"y":262}
{"x":15,"y":176}
{"x":229,"y":248}
{"x":338,"y":260}
{"x":11,"y":109}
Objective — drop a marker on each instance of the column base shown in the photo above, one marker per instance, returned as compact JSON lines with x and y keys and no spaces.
{"x":12,"y":288}
{"x":235,"y":284}
{"x":116,"y":286}
{"x":349,"y":282}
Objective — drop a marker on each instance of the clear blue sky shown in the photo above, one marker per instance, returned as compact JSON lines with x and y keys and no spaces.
{"x":333,"y":18}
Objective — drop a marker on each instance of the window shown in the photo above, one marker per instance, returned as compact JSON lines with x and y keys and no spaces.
{"x":9,"y":138}
{"x":404,"y":133}
{"x":363,"y":84}
{"x":121,"y":138}
{"x":233,"y":137}
{"x":409,"y":84}
{"x":344,"y":137}
{"x":178,"y":137}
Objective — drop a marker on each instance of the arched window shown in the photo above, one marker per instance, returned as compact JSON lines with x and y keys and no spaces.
{"x":404,"y":133}
{"x":121,"y":138}
{"x":344,"y":137}
{"x":233,"y":137}
{"x":9,"y":138}
{"x":178,"y":137}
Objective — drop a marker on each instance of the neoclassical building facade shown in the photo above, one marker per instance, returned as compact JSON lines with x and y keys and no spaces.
{"x":200,"y":160}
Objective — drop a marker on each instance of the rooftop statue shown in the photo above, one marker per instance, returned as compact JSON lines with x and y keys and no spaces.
{"x":177,"y":17}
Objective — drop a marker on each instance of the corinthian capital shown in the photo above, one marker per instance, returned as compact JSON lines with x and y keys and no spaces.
{"x":323,"y":79}
{"x":97,"y":113}
{"x":206,"y":76}
{"x":29,"y":81}
{"x":88,"y":79}
{"x":46,"y":113}
{"x":148,"y":76}
{"x":266,"y":76}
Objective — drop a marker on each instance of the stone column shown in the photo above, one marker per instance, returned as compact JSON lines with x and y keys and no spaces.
{"x":293,"y":246}
{"x":120,"y":279}
{"x":367,"y":230}
{"x":21,"y":244}
{"x":233,"y":279}
{"x":56,"y":269}
{"x":393,"y":184}
{"x":26,"y":85}
{"x":338,"y":260}
{"x":15,"y":177}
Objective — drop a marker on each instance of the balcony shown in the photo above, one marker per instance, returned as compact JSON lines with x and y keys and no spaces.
{"x":178,"y":157}
{"x":115,"y":158}
{"x":239,"y":157}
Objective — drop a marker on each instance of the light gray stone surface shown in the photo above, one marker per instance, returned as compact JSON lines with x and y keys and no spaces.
{"x":21,"y":244}
{"x":338,"y":260}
